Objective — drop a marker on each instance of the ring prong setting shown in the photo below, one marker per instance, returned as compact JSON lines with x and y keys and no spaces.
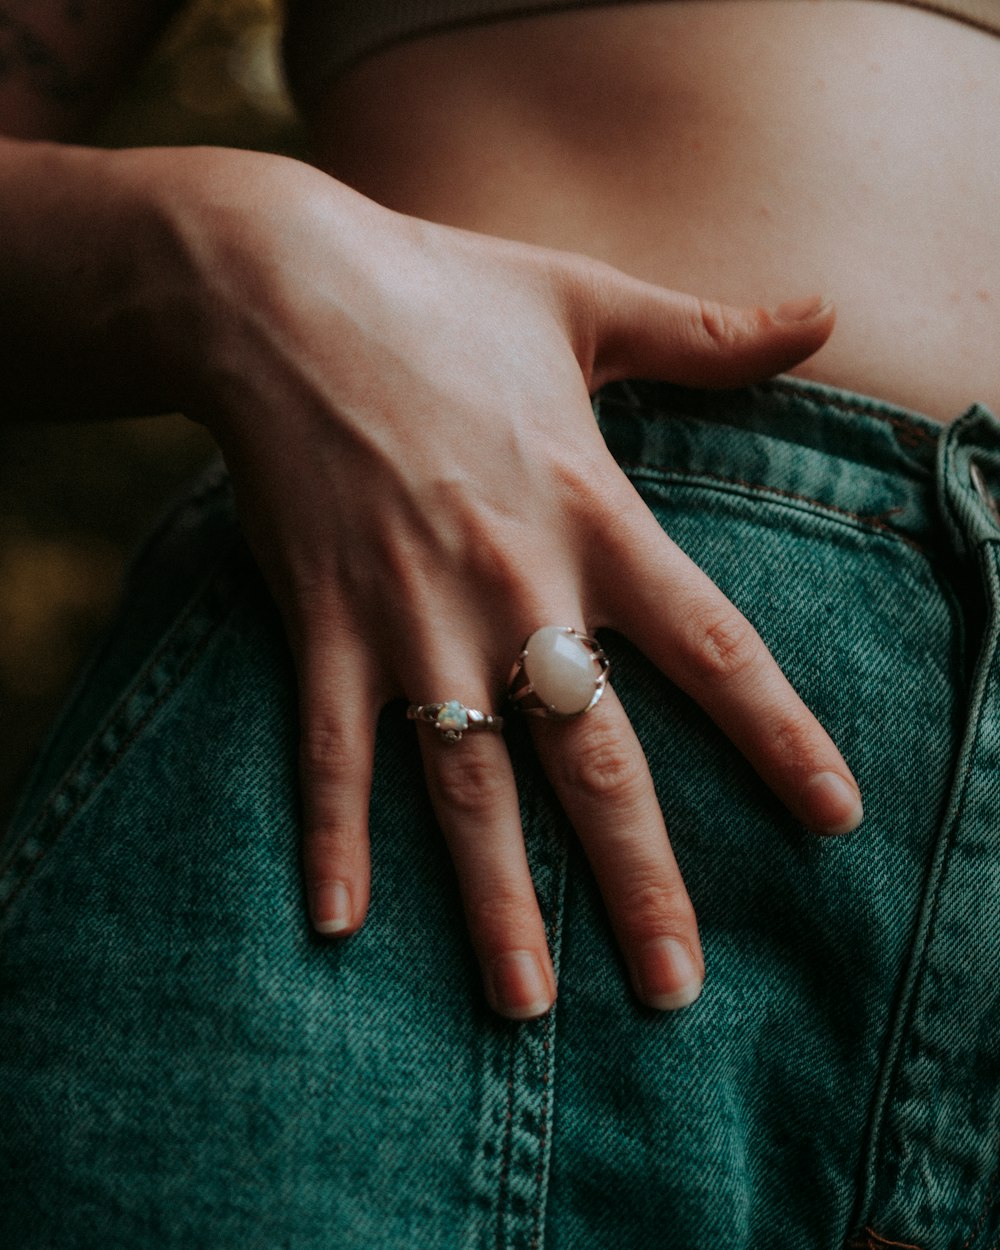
{"x":452,"y":719}
{"x":559,"y":673}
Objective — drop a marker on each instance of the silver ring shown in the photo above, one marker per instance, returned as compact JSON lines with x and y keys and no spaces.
{"x":452,"y":719}
{"x":559,"y":673}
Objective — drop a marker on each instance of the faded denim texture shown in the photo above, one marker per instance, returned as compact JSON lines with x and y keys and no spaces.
{"x":182,"y":1064}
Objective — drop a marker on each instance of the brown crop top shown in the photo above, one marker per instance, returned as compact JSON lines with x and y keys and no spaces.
{"x":324,"y":37}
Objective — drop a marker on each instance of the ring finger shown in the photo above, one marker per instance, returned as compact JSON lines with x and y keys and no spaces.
{"x":472,"y":788}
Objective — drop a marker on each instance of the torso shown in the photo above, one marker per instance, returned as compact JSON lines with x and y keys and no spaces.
{"x":749,"y":152}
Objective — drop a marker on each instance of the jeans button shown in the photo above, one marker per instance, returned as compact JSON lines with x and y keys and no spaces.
{"x":983,"y":491}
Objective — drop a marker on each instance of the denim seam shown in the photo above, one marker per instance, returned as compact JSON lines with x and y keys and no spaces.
{"x":215,"y":483}
{"x":995,"y":1177}
{"x":553,"y":933}
{"x":524,"y":1172}
{"x":910,"y":988}
{"x":878,"y":523}
{"x":991,"y":1186}
{"x":988,"y":542}
{"x":543,"y":1134}
{"x":519,"y":1079}
{"x":908,"y":991}
{"x":185,"y":659}
{"x":991,"y":1190}
{"x":507,"y":1148}
{"x":925,"y":930}
{"x":875,"y":1241}
{"x":191,"y":509}
{"x":906,"y":429}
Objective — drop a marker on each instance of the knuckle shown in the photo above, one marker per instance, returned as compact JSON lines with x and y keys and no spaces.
{"x":309,"y":610}
{"x":583,"y":282}
{"x":605,"y":768}
{"x":309,"y":582}
{"x":468,"y":782}
{"x":715,"y":324}
{"x":723,"y":645}
{"x":794,"y":744}
{"x":327,"y":749}
{"x":652,"y":905}
{"x":324,"y":851}
{"x":505,"y":919}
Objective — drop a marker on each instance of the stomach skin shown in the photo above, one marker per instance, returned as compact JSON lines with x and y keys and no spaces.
{"x":746,"y":152}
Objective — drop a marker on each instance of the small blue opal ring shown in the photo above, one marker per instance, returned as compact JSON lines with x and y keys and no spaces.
{"x":453,"y":719}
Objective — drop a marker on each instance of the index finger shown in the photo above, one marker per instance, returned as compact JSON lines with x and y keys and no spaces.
{"x":682,"y":622}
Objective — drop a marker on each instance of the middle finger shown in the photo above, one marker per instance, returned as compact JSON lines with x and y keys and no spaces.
{"x":599,"y":773}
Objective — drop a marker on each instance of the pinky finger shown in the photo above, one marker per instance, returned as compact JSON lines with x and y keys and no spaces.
{"x":335,"y":767}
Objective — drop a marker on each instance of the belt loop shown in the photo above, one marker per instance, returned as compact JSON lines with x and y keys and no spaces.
{"x":982,"y":489}
{"x":969,"y":479}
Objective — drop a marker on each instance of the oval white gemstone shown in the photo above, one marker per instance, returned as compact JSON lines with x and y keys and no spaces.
{"x":561,"y":669}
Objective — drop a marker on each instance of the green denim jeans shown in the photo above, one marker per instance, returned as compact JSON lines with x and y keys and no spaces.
{"x":184,"y":1064}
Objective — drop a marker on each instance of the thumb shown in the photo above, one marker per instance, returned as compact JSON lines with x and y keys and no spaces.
{"x":647,"y":331}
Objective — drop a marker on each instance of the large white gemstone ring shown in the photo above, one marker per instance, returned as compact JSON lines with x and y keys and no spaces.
{"x":452,"y":719}
{"x":559,"y":672}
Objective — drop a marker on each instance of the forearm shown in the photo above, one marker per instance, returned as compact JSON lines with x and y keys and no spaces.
{"x":130,"y":281}
{"x":160,"y":279}
{"x":75,"y":230}
{"x":83,"y":278}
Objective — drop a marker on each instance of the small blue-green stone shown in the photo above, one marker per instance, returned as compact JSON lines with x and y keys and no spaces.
{"x":453,"y":716}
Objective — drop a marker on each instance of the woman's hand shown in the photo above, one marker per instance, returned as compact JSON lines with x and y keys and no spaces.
{"x":404,"y":409}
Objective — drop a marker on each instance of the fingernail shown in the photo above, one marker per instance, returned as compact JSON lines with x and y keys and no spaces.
{"x":835,"y":802}
{"x":331,"y":908}
{"x":808,"y":309}
{"x":520,"y":988}
{"x":666,"y":975}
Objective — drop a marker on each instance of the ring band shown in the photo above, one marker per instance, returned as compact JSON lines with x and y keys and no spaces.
{"x":559,"y":673}
{"x":453,"y":719}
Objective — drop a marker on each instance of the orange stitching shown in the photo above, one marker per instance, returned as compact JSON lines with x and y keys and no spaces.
{"x":873,"y":1241}
{"x":508,"y":1148}
{"x":914,"y":434}
{"x":905,"y":430}
{"x":985,"y":1211}
{"x":536,"y":1232}
{"x":876,"y":522}
{"x":184,"y":667}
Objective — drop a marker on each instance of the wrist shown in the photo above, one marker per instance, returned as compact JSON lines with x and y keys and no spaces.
{"x":74,"y":273}
{"x":231,"y":242}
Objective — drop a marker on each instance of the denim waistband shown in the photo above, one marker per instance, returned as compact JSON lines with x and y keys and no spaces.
{"x":868,"y":460}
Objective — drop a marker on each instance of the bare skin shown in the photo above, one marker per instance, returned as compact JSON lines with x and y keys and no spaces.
{"x":737,"y":150}
{"x":327,"y":340}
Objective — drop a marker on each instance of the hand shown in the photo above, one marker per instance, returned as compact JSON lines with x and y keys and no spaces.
{"x":405,"y":411}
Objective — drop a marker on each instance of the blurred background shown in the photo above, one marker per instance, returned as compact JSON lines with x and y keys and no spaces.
{"x":76,"y":499}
